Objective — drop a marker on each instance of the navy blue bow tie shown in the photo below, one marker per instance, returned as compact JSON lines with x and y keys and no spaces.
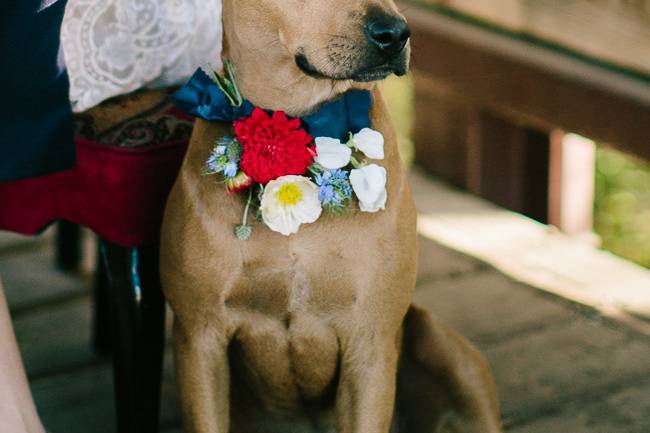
{"x":201,"y":97}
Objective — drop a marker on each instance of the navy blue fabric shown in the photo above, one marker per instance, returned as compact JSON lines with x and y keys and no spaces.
{"x":202,"y":98}
{"x":336,"y":119}
{"x":35,"y":116}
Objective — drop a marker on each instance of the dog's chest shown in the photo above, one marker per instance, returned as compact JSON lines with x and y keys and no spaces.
{"x":277,"y":281}
{"x":286,"y":363}
{"x":285,"y":309}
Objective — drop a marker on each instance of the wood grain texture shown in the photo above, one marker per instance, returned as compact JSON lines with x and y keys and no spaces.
{"x":613,"y":31}
{"x":535,"y":86}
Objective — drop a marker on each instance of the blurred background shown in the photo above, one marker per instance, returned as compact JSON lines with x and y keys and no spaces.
{"x":611,"y":35}
{"x":525,"y":125}
{"x":621,"y":197}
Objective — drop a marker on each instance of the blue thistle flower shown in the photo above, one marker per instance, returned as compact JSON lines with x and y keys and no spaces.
{"x":334,"y":189}
{"x":224,"y":157}
{"x":215,"y":160}
{"x":328,"y":195}
{"x":230,"y":169}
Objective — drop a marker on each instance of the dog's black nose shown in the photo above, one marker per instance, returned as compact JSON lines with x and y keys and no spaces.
{"x":388,"y":33}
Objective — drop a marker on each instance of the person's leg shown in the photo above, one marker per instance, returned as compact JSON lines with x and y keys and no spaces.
{"x":17,"y":409}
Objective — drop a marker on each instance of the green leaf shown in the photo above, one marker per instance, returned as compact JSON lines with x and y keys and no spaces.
{"x":228,"y":84}
{"x":225,"y":88}
{"x":232,"y":78}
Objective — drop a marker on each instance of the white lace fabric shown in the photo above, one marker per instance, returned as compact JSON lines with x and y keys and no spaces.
{"x":113,"y":47}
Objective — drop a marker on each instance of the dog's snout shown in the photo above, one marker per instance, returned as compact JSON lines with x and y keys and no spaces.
{"x":388,"y":33}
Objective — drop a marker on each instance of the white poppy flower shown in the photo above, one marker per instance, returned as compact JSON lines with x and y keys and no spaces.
{"x":370,"y":142}
{"x":288,"y":202}
{"x":332,"y":154}
{"x":369,"y":184}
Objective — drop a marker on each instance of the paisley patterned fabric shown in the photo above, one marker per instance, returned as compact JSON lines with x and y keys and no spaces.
{"x":138,"y":120}
{"x":113,"y":47}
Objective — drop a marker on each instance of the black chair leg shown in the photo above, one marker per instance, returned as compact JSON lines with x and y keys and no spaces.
{"x":137,"y":316}
{"x":68,"y":246}
{"x":101,"y":332}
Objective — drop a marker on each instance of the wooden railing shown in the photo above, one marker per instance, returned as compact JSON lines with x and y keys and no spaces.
{"x":492,"y":108}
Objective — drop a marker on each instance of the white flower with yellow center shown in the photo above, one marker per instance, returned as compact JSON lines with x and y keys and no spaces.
{"x":288,"y":202}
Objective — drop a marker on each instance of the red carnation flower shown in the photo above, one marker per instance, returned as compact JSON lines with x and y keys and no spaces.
{"x":273,"y":146}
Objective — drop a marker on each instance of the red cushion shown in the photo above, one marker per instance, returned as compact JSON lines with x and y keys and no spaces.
{"x":117,"y":191}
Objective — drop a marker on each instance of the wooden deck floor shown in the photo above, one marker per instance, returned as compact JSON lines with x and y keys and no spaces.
{"x":560,"y":368}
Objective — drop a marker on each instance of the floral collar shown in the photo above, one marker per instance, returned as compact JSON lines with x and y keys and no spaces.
{"x":203,"y":97}
{"x":292,"y":169}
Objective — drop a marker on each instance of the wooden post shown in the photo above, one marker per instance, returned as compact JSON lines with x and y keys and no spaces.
{"x":571,"y":183}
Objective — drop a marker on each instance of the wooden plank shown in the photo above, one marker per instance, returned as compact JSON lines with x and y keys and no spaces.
{"x":12,"y":242}
{"x":30,"y":279}
{"x":77,"y":402}
{"x":56,"y":339}
{"x":436,"y":262}
{"x":542,"y":88}
{"x":542,"y":372}
{"x":443,"y":134}
{"x":533,"y":253}
{"x":81,"y":401}
{"x":488,"y":155}
{"x":617,"y":32}
{"x":489,"y":308}
{"x":617,"y":411}
{"x":514,"y":166}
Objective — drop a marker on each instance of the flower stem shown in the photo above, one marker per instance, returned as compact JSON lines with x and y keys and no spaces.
{"x":356,"y":163}
{"x":247,"y":207}
{"x":315,"y":168}
{"x":351,"y":144}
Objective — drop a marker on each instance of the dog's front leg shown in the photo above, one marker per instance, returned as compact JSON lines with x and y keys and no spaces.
{"x":204,"y":380}
{"x":366,"y":393}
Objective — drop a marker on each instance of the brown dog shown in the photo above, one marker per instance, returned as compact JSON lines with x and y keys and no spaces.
{"x":304,"y":333}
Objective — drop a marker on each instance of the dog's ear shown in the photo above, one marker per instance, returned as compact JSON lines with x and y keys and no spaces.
{"x":444,"y":384}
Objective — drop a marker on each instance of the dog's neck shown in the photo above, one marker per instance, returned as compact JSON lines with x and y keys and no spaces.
{"x":269,"y":78}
